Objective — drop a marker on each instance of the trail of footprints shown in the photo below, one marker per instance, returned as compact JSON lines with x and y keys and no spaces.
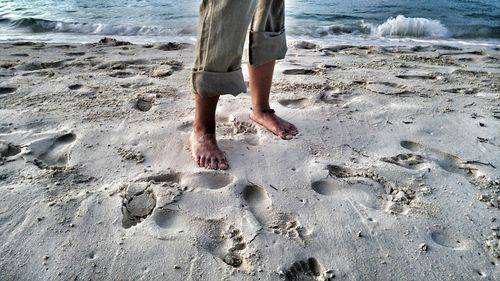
{"x":471,"y":170}
{"x":398,"y":197}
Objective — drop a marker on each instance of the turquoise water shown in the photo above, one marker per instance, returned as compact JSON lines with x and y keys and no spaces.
{"x":323,"y":20}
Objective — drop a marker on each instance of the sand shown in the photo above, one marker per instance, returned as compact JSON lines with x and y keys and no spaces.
{"x":394,"y":175}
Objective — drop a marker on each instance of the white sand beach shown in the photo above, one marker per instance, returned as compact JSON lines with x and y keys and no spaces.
{"x":395,"y":174}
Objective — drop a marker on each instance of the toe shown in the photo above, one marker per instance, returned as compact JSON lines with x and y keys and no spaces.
{"x":285,"y":135}
{"x":222,"y":163}
{"x":202,"y":161}
{"x":293,"y":130}
{"x":214,"y":163}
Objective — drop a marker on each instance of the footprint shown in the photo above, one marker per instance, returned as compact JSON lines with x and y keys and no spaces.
{"x":451,"y":163}
{"x":240,"y":127}
{"x":256,"y":197}
{"x":307,"y":270}
{"x":234,"y":257}
{"x":145,"y":102}
{"x":364,"y":191}
{"x":170,"y":220}
{"x":20,"y":55}
{"x":161,"y":72}
{"x":40,"y":65}
{"x":75,"y":54}
{"x":7,"y":90}
{"x":138,"y":203}
{"x":398,"y":197}
{"x":408,"y":161}
{"x":463,"y":91}
{"x":171,"y":177}
{"x":295,"y":103}
{"x":301,"y":71}
{"x":53,"y":153}
{"x":387,"y":88}
{"x":430,"y":76}
{"x":122,"y":74}
{"x":208,"y":180}
{"x":74,"y":87}
{"x":471,"y":170}
{"x":332,"y":97}
{"x":447,"y":241}
{"x":8,"y":149}
{"x":280,"y":223}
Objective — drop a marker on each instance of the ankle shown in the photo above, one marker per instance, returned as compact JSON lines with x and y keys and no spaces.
{"x":201,"y":128}
{"x":262,"y":112}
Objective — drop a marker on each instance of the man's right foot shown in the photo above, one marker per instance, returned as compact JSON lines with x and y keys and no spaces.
{"x":206,"y":153}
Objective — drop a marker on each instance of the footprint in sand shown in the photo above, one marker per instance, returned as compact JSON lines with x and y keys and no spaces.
{"x":443,"y":239}
{"x":122,"y":74}
{"x":20,"y":55}
{"x":83,"y":91}
{"x":208,"y":180}
{"x":75,"y":54}
{"x":473,"y":171}
{"x":301,"y":71}
{"x":429,"y":76}
{"x":75,"y":87}
{"x":145,"y":102}
{"x":7,"y":90}
{"x":373,"y":188}
{"x":388,"y":88}
{"x":138,"y":203}
{"x":52,"y":153}
{"x":234,"y":257}
{"x":248,"y":130}
{"x":365,"y":191}
{"x":307,"y":270}
{"x":8,"y":149}
{"x":170,"y":221}
{"x":260,"y":205}
{"x":227,"y":243}
{"x":295,"y":103}
{"x":334,"y":96}
{"x":407,"y":160}
{"x":29,"y":66}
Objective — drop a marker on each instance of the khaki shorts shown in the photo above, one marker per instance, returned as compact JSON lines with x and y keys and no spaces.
{"x":222,"y":30}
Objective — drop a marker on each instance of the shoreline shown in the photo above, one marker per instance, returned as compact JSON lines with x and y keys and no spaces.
{"x":394,"y":176}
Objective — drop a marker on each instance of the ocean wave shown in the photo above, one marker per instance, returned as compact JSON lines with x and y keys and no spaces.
{"x":399,"y":26}
{"x":402,"y":26}
{"x":35,"y":25}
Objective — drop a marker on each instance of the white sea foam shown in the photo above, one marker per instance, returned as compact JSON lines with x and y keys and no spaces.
{"x":402,"y":26}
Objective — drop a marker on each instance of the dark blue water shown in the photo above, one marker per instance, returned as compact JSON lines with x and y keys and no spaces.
{"x":327,"y":20}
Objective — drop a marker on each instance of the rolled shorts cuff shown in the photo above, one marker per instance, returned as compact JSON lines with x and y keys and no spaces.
{"x":266,"y":46}
{"x":208,"y":84}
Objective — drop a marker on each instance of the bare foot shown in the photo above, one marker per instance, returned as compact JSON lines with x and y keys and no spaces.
{"x":206,"y":153}
{"x":273,"y":123}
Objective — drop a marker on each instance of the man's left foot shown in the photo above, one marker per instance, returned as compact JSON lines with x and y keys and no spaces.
{"x":283,"y":129}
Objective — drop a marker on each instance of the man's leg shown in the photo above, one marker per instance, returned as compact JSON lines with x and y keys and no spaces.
{"x":204,"y":147}
{"x":222,"y":29}
{"x":261,"y":78}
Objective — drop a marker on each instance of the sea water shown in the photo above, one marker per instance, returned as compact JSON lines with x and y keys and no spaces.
{"x":473,"y":22}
